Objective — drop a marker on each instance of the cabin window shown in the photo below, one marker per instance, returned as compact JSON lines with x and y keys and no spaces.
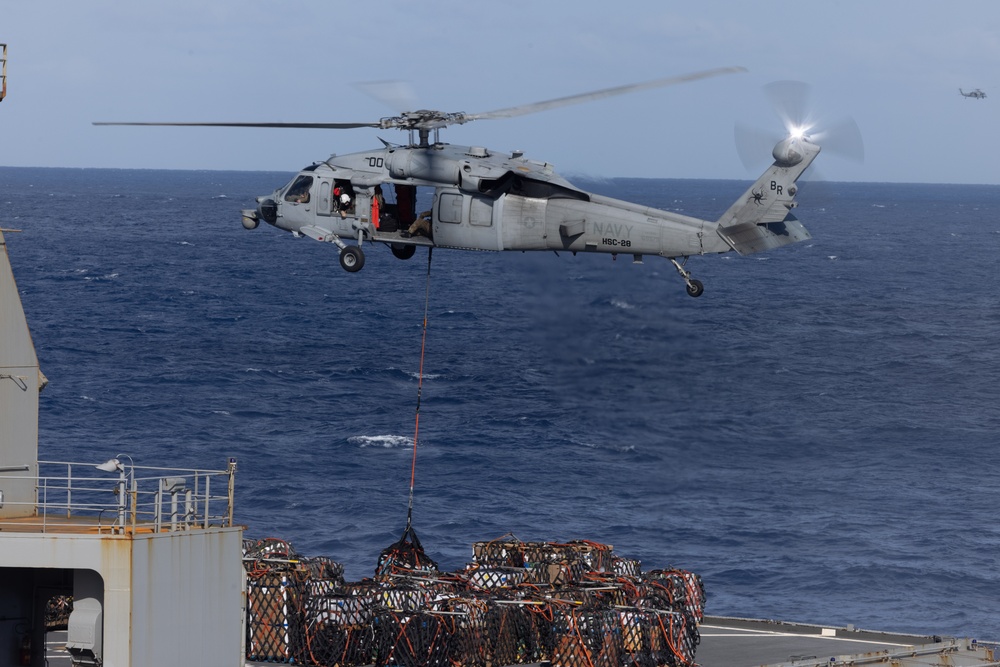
{"x":298,"y":191}
{"x":325,"y":206}
{"x":450,"y":208}
{"x":481,"y":212}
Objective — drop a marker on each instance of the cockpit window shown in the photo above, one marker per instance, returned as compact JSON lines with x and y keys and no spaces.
{"x":298,"y":191}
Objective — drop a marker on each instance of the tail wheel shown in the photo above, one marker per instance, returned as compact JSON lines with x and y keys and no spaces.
{"x":694,"y":287}
{"x":403,"y":251}
{"x":352,"y":259}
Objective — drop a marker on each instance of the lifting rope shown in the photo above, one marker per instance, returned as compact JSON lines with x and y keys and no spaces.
{"x":420,"y":385}
{"x":407,"y":554}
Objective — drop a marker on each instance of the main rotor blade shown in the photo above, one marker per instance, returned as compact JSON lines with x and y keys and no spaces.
{"x":322,"y":126}
{"x":425,"y":120}
{"x":754,"y":145}
{"x":844,"y":139}
{"x":599,"y":94}
{"x":399,"y":96}
{"x":790,"y":100}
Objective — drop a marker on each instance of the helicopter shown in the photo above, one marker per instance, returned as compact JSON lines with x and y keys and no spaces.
{"x":481,"y":199}
{"x":977,"y":94}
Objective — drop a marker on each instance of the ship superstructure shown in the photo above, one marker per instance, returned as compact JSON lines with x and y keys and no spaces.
{"x":149,"y":556}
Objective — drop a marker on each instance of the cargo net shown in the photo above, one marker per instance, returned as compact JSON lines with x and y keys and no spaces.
{"x":279,"y":581}
{"x":574,"y":604}
{"x":57,"y":611}
{"x":405,"y":556}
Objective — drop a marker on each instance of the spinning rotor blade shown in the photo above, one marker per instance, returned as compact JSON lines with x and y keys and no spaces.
{"x":791,"y":103}
{"x":790,"y":100}
{"x":754,"y":145}
{"x":322,"y":126}
{"x":600,"y":94}
{"x":842,"y":138}
{"x":395,"y":94}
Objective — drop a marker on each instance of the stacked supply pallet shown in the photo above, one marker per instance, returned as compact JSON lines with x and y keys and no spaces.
{"x":574,"y":604}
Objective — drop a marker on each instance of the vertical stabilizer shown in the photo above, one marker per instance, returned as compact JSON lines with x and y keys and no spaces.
{"x":761,"y":219}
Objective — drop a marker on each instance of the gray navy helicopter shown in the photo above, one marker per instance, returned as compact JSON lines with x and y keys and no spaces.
{"x":481,"y":199}
{"x":976,"y":94}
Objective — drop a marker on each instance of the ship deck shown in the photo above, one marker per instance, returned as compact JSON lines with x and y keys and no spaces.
{"x":73,"y":525}
{"x":735,"y":642}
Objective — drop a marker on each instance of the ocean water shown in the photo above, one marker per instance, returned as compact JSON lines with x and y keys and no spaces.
{"x":817,"y":435}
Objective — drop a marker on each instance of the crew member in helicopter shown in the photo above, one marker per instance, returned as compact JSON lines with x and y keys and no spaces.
{"x":299,"y":192}
{"x":343,"y":199}
{"x":422,"y":226}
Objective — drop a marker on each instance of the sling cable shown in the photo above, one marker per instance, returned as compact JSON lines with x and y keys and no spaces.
{"x":407,"y":554}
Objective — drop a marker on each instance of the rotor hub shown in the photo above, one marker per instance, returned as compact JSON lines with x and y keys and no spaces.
{"x":790,"y":151}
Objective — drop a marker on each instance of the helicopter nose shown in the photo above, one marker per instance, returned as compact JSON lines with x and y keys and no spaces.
{"x":267,"y":210}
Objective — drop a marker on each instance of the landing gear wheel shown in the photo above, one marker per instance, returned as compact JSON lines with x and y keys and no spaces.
{"x":403,"y":251}
{"x":352,"y":259}
{"x":695,"y":288}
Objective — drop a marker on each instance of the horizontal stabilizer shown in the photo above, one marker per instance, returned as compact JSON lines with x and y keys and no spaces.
{"x":750,"y":237}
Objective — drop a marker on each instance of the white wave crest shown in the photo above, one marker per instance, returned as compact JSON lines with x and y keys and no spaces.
{"x":427,"y":376}
{"x":382,"y":441}
{"x":614,"y":447}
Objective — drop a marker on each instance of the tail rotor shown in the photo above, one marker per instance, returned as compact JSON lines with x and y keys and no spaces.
{"x":791,"y":103}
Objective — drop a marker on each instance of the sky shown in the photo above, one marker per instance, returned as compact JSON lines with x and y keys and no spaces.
{"x":895,"y":67}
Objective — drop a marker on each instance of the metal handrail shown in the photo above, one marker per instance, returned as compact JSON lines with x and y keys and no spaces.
{"x":140,"y":498}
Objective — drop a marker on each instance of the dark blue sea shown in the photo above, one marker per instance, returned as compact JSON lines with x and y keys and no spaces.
{"x":817,"y":436}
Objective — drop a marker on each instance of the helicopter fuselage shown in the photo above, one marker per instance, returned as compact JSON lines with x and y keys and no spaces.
{"x":481,"y":201}
{"x":476,"y":199}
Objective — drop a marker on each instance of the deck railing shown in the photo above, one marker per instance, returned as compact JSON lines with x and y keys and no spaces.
{"x":120,"y":498}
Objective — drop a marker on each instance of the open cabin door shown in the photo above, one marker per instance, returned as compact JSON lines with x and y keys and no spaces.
{"x":465,"y":221}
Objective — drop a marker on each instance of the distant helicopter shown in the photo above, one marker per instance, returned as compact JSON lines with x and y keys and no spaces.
{"x":487,"y":200}
{"x":978,"y":94}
